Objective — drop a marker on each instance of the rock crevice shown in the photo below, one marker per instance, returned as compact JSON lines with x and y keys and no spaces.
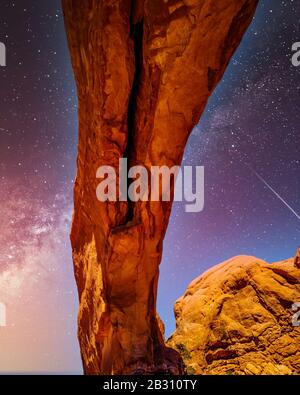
{"x":144,"y":71}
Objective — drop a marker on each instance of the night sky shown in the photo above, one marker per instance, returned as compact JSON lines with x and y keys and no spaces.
{"x":250,"y":125}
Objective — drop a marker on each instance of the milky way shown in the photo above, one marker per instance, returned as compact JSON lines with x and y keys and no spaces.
{"x":251,"y":120}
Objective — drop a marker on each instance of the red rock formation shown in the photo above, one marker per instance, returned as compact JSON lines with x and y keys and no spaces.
{"x":237,"y":318}
{"x":144,"y":72}
{"x":297,"y":258}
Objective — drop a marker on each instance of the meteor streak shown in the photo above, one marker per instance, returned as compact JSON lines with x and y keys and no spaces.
{"x":275,"y":193}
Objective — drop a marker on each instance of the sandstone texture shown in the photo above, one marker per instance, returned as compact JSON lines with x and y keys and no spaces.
{"x":237,"y":319}
{"x":297,"y":259}
{"x":144,"y":72}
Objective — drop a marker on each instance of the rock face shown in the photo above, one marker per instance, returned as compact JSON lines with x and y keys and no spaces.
{"x":144,"y":71}
{"x":297,"y":259}
{"x":237,"y":319}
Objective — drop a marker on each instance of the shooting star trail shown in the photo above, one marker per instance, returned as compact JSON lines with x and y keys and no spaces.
{"x":275,"y":193}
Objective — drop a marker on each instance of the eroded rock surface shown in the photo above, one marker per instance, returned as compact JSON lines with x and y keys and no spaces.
{"x":237,"y":319}
{"x":144,"y":72}
{"x":297,"y":259}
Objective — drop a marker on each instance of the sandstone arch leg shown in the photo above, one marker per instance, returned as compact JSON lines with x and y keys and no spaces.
{"x":144,"y":72}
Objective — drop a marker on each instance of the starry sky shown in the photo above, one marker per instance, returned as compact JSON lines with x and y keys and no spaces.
{"x":250,"y":125}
